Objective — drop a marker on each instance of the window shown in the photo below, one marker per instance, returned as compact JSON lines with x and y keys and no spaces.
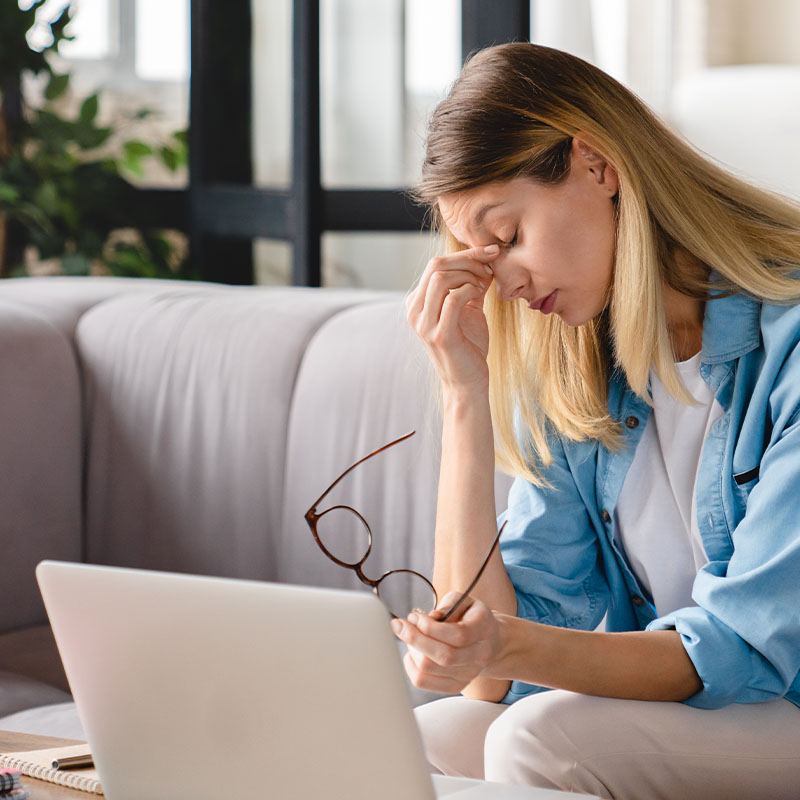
{"x":338,"y":96}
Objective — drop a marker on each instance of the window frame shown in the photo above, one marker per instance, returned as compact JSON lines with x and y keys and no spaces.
{"x":224,"y":211}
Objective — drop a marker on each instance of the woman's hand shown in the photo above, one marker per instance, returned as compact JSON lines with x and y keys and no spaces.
{"x":446,"y":311}
{"x":447,"y":656}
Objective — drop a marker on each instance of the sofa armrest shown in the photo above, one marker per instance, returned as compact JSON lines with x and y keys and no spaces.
{"x":40,"y":453}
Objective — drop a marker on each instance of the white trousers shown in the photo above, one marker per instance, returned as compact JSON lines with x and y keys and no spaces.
{"x":619,"y":749}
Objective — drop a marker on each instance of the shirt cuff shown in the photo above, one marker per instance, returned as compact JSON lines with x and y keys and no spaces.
{"x":728,"y":667}
{"x":519,"y":690}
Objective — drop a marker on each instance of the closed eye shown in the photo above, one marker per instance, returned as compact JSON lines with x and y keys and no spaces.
{"x":513,"y":241}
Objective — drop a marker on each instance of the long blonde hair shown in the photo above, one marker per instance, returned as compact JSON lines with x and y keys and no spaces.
{"x":513,"y":112}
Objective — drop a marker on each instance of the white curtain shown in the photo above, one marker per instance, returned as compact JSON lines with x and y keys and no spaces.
{"x":632,"y":40}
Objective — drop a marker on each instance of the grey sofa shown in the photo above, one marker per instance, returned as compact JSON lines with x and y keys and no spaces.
{"x":187,"y":427}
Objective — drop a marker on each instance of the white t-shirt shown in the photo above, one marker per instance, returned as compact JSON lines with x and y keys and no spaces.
{"x":656,"y":511}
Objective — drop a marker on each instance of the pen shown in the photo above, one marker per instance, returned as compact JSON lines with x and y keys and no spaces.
{"x":67,"y":762}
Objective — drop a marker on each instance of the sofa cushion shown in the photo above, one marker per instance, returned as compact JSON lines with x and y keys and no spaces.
{"x":187,"y":397}
{"x":20,"y":692}
{"x":55,"y":719}
{"x":62,"y":301}
{"x":32,"y":652}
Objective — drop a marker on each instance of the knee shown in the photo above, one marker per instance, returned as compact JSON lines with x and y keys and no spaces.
{"x":538,"y":742}
{"x":453,"y":731}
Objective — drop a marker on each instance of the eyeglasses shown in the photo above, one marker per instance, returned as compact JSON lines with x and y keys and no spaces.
{"x":345,"y":537}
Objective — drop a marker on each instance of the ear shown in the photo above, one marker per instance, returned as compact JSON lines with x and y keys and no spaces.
{"x":586,"y":157}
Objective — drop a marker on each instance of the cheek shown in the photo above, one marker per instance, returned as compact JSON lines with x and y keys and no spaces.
{"x":593,"y":242}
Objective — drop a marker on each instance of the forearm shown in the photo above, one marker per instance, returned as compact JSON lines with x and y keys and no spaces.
{"x":466,"y":519}
{"x":640,"y":665}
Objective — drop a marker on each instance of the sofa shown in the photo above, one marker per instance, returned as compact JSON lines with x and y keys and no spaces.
{"x":187,"y":427}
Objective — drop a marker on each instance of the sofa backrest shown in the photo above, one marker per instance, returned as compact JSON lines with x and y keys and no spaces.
{"x":202,"y":422}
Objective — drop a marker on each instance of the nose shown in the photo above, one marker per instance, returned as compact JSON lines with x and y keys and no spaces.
{"x":511,"y":282}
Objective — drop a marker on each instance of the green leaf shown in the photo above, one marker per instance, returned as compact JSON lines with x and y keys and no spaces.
{"x":47,"y":199}
{"x":8,"y":193}
{"x":56,"y":86}
{"x":89,"y":109}
{"x":75,"y":264}
{"x":133,"y":164}
{"x":33,"y":215}
{"x":137,"y":149}
{"x":169,"y":157}
{"x":88,"y":137}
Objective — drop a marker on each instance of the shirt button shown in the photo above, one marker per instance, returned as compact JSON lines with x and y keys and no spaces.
{"x":632,"y":422}
{"x":637,"y":601}
{"x":606,"y":516}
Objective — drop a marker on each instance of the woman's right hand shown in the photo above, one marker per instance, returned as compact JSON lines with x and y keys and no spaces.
{"x":446,"y":311}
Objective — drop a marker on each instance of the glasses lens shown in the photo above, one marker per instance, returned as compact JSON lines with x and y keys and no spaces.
{"x":343,"y":534}
{"x":403,"y":591}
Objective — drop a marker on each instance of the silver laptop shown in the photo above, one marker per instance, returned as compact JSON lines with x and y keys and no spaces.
{"x":195,"y":687}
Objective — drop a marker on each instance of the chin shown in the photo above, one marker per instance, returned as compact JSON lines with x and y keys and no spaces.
{"x":572,"y":319}
{"x":577,"y":317}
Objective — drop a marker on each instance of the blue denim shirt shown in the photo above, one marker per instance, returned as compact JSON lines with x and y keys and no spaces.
{"x":743,"y":636}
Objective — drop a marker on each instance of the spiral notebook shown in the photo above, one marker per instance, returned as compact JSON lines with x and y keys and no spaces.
{"x":38,"y":764}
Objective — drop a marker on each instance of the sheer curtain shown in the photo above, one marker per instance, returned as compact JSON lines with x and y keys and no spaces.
{"x":699,"y":64}
{"x":646,"y":46}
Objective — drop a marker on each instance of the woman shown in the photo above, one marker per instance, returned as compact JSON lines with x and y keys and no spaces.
{"x":617,"y":322}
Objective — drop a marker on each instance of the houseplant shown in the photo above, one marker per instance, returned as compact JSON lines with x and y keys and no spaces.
{"x":65,"y":197}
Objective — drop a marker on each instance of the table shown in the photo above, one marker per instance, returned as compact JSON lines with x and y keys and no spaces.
{"x":41,"y":790}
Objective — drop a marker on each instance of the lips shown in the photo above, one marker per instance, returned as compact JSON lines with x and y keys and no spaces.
{"x":544,"y":304}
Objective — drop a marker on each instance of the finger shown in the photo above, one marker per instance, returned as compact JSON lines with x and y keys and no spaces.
{"x":449,"y":600}
{"x":448,"y":326}
{"x":424,"y":316}
{"x":427,"y":666}
{"x":449,"y":634}
{"x":476,"y":260}
{"x":443,"y":646}
{"x":438,"y":656}
{"x":456,"y":609}
{"x":434,"y":683}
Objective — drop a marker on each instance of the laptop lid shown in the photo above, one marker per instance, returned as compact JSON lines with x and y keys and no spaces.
{"x":195,"y":687}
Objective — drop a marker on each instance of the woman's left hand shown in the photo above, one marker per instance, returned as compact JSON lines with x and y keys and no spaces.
{"x":447,"y":656}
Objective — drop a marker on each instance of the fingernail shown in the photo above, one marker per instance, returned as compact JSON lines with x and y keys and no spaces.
{"x":488,"y":270}
{"x":491,"y":249}
{"x":397,"y":626}
{"x":413,"y":619}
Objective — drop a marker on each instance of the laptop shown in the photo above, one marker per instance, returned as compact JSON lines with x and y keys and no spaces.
{"x":198,"y":687}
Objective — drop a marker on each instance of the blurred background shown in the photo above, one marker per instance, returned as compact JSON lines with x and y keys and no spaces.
{"x":271,"y":141}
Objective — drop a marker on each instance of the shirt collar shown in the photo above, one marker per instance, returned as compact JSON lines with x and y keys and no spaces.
{"x":731,"y":327}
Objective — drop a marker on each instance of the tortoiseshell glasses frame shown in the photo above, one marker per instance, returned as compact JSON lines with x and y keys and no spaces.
{"x":312,"y":517}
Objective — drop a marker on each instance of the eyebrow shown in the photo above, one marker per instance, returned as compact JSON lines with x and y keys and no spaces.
{"x":477,"y":220}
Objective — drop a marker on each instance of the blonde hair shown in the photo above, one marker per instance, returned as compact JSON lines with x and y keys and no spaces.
{"x":513,"y":112}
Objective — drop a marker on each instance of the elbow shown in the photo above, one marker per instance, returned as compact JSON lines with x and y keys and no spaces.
{"x":488,"y":690}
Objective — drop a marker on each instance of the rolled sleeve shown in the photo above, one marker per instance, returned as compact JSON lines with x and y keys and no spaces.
{"x":731,"y":670}
{"x":744,"y":635}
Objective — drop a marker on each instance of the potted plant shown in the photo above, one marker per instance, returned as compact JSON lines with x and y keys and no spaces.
{"x":65,"y":198}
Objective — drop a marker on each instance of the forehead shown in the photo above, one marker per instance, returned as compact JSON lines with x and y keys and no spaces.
{"x":467,"y":210}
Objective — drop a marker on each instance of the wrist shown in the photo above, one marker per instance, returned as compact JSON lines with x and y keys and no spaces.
{"x":464,"y":399}
{"x":507,"y":641}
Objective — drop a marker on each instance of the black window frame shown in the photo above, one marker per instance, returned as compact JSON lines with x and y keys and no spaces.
{"x":221,"y":209}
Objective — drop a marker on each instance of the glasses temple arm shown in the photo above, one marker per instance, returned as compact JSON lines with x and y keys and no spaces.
{"x":469,"y":588}
{"x":360,"y":461}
